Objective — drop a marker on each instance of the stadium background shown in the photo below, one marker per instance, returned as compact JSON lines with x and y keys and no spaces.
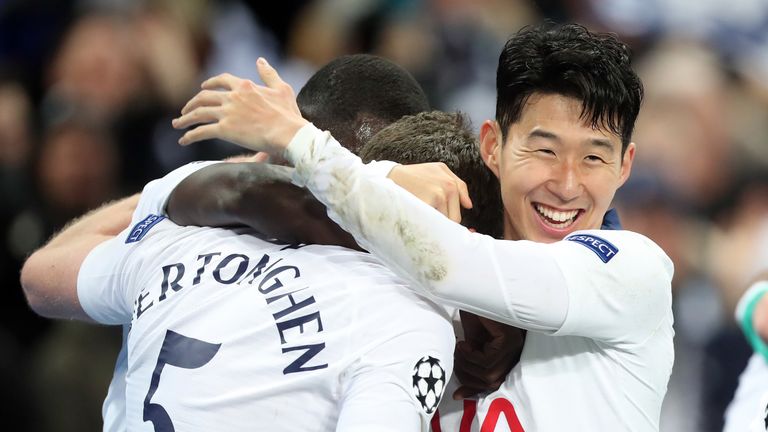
{"x":88,"y":88}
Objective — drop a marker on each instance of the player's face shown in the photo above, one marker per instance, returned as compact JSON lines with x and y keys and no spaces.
{"x":557,"y":173}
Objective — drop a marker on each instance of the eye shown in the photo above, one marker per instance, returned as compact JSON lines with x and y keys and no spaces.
{"x":595,"y":159}
{"x":546,"y":152}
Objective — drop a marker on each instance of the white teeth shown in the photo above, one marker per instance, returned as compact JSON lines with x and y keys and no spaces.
{"x":564,"y":217}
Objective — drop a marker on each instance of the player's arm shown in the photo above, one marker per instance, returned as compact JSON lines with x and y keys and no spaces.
{"x":257,"y":195}
{"x":530,"y":285}
{"x":752,"y":315}
{"x":410,"y":237}
{"x":49,"y":275}
{"x":516,"y":282}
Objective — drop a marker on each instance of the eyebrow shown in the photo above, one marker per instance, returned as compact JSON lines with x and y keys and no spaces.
{"x":597,"y":142}
{"x":538,"y":133}
{"x":603,"y":143}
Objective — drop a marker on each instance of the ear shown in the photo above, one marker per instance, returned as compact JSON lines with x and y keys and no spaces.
{"x":626,"y":163}
{"x":490,"y":145}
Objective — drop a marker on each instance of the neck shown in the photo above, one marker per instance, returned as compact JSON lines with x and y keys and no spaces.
{"x":509,"y":232}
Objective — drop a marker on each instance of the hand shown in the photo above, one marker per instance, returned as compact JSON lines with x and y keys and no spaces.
{"x":486,"y":355}
{"x":259,"y":118}
{"x":434,"y":184}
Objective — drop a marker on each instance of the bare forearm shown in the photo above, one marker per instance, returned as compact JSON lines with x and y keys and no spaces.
{"x":49,"y":276}
{"x":108,"y":220}
{"x":255,"y":195}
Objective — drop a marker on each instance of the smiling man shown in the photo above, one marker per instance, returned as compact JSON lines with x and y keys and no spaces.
{"x":557,"y":176}
{"x":597,"y":304}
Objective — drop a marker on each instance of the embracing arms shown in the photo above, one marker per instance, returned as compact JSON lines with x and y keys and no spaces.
{"x":49,"y":275}
{"x":417,"y":242}
{"x":257,"y":195}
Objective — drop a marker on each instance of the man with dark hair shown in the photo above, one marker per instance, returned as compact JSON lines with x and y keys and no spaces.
{"x":357,"y":95}
{"x":596,"y":304}
{"x":354,"y":97}
{"x":570,"y":61}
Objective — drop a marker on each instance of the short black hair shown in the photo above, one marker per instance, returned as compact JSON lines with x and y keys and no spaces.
{"x":569,"y":60}
{"x":437,"y":136}
{"x":355,"y":96}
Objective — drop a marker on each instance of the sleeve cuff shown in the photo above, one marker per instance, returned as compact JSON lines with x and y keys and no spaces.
{"x":380,"y":168}
{"x":300,"y":147}
{"x":744,"y":316}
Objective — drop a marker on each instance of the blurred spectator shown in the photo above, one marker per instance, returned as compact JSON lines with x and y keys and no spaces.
{"x":18,"y":327}
{"x":77,"y":170}
{"x":20,"y":231}
{"x":96,"y":83}
{"x":97,"y":69}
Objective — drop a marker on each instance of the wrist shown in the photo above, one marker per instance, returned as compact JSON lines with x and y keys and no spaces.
{"x":286,"y":136}
{"x":750,"y":315}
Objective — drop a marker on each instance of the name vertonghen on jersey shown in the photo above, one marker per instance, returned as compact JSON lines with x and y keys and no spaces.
{"x":261,"y":274}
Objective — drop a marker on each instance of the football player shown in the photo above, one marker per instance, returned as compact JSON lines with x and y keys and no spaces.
{"x":597,"y":304}
{"x":51,"y":289}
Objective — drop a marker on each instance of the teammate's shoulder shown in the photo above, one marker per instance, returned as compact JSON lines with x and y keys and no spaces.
{"x":631,"y":246}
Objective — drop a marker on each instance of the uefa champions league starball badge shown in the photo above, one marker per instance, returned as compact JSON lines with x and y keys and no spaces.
{"x":428,"y":383}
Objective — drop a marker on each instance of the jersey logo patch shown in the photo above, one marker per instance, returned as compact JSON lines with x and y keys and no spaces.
{"x":428,"y":383}
{"x":142,"y":228}
{"x":600,"y":246}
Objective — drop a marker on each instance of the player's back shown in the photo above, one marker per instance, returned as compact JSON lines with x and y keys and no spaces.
{"x":232,"y":332}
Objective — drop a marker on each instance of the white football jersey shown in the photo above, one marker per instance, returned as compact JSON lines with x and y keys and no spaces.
{"x":230,"y":332}
{"x":597,"y":304}
{"x":584,"y":377}
{"x":113,"y":408}
{"x":748,"y":411}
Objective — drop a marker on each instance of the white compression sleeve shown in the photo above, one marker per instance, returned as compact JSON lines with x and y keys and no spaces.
{"x":516,"y":282}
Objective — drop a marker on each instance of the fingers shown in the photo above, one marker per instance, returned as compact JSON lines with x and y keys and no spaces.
{"x":456,"y":195}
{"x":464,"y":198}
{"x":204,"y":98}
{"x":454,"y":206}
{"x":461,"y":187}
{"x":472,"y":328}
{"x":260,"y":157}
{"x":477,"y":377}
{"x":200,"y":133}
{"x":490,"y":350}
{"x":268,"y":74}
{"x":487,"y":357}
{"x":223,"y":81}
{"x":197,"y":116}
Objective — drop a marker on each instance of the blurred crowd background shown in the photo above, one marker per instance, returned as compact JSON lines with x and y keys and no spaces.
{"x":88,"y":88}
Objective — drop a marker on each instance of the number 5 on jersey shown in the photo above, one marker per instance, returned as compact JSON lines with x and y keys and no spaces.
{"x":180,"y":351}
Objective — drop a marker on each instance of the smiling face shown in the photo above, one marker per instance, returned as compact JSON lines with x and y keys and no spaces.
{"x":557,"y":174}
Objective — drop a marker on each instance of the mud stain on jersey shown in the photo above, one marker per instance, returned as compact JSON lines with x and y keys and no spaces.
{"x":376,"y":215}
{"x":425,"y":254}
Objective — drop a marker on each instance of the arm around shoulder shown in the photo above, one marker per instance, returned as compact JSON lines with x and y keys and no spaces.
{"x":257,"y":195}
{"x":49,"y":275}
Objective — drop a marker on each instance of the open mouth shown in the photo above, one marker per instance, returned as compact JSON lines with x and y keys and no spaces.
{"x":557,"y":219}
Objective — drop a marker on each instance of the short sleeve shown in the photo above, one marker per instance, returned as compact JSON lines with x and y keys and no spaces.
{"x":619,"y":285}
{"x":155,"y":196}
{"x":103,"y":281}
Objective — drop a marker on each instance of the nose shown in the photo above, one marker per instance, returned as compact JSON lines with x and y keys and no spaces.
{"x":566,"y":181}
